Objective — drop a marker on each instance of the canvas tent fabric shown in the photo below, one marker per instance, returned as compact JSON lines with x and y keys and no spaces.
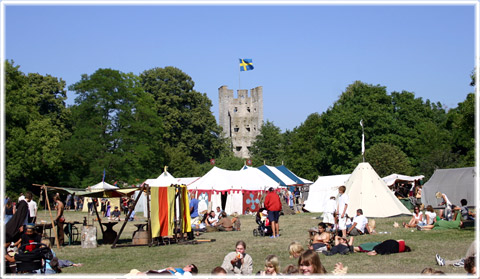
{"x":457,"y":184}
{"x":163,"y":180}
{"x":367,"y":191}
{"x":393,"y":178}
{"x":320,"y":192}
{"x":103,"y":186}
{"x":163,"y":210}
{"x":238,"y":186}
{"x":281,"y":175}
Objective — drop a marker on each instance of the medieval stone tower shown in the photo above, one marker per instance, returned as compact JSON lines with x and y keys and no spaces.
{"x":241,"y":118}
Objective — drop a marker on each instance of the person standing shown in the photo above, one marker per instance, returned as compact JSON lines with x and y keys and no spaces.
{"x":447,"y":213}
{"x":274,"y":206}
{"x":9,"y":210}
{"x":59,"y":220}
{"x":32,"y":207}
{"x":194,"y":216}
{"x":342,"y":205}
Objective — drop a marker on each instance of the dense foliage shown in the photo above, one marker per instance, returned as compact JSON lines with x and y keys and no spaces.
{"x":403,"y":134}
{"x":132,"y":126}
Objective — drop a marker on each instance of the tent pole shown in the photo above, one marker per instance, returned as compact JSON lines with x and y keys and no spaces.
{"x":114,"y":245}
{"x":98,"y":216}
{"x":149,"y":224}
{"x":51,"y":218}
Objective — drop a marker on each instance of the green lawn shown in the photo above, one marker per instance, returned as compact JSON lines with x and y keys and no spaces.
{"x":451,"y":244}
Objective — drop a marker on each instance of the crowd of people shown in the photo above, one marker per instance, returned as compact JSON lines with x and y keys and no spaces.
{"x":336,"y":234}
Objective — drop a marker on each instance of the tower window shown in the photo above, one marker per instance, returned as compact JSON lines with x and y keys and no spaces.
{"x":248,"y":129}
{"x":238,"y":148}
{"x":248,"y":109}
{"x":236,"y":129}
{"x":235,"y":109}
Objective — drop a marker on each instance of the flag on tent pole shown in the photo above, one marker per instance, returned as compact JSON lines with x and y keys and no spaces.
{"x":363,"y":141}
{"x":246,"y":64}
{"x":103,"y":178}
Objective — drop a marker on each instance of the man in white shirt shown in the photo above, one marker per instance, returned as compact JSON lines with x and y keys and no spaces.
{"x":32,"y":207}
{"x":342,"y":205}
{"x":328,"y":214}
{"x":360,"y":222}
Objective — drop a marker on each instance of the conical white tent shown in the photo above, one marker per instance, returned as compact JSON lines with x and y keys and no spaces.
{"x":103,"y":186}
{"x":320,"y":192}
{"x":366,"y":190}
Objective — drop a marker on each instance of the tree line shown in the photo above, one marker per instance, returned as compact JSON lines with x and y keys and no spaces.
{"x":133,"y":125}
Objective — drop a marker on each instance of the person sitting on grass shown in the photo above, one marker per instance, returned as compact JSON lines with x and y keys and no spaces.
{"x":238,"y":262}
{"x":342,"y":246}
{"x":359,"y":225}
{"x":471,"y":251}
{"x":236,"y":222}
{"x":116,"y":214}
{"x":272,"y":266}
{"x":309,"y":263}
{"x":295,"y":249}
{"x":470,"y":266}
{"x":444,"y":224}
{"x":219,"y":271}
{"x":224,"y":224}
{"x":211,"y":219}
{"x":429,"y":218}
{"x":431,"y":271}
{"x":466,"y":214}
{"x":417,"y":218}
{"x":321,"y":239}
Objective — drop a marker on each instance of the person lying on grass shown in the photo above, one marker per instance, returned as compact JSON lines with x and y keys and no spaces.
{"x":342,"y":246}
{"x":389,"y":246}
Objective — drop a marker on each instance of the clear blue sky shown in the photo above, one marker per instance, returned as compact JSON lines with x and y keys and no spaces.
{"x":304,"y":56}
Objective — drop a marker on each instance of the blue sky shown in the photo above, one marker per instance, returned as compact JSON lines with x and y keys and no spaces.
{"x":304,"y":56}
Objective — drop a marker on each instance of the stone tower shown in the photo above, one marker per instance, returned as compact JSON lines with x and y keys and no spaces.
{"x":241,"y":118}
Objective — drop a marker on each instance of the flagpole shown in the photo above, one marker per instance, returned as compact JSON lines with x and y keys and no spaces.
{"x":363,"y":141}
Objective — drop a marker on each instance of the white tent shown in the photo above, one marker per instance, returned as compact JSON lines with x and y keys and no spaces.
{"x":320,"y":192}
{"x":102,"y":186}
{"x":164,"y":180}
{"x":392,"y":178}
{"x":235,"y":183}
{"x":186,"y":180}
{"x":366,"y":190}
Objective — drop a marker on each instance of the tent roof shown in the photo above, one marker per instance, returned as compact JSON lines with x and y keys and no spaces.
{"x":366,"y":190}
{"x":163,"y":180}
{"x":103,"y":186}
{"x":320,"y":192}
{"x":223,"y":180}
{"x":186,"y":180}
{"x":456,"y":183}
{"x":281,"y":175}
{"x":392,"y":178}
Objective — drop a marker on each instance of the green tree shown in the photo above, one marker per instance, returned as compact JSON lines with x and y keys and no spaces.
{"x":461,"y":123}
{"x":115,"y":128}
{"x":340,"y":133}
{"x":186,"y":114}
{"x":387,"y":159}
{"x":303,"y":155}
{"x":268,"y":146}
{"x":35,"y":125}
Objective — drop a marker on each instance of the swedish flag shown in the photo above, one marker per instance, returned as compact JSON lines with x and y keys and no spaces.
{"x":246,"y":64}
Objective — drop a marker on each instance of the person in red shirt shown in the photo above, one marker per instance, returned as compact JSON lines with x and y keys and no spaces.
{"x":274,"y":206}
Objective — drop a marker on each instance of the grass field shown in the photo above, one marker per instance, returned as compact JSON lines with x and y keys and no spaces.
{"x":450,"y":244}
